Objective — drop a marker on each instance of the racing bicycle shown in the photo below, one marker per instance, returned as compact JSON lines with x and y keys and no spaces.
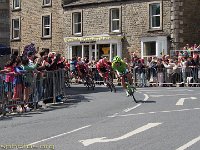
{"x":130,"y":89}
{"x":109,"y":81}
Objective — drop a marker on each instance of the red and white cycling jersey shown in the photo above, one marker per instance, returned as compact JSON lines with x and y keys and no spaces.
{"x":102,"y":66}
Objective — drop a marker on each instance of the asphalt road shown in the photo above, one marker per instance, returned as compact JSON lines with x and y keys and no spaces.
{"x":164,"y":119}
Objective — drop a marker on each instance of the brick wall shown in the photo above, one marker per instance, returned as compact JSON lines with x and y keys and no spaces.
{"x":31,"y":25}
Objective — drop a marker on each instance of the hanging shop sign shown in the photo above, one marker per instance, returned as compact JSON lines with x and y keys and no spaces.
{"x":105,"y":50}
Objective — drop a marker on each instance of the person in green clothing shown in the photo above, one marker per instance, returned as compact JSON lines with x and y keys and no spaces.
{"x":121,"y":68}
{"x":27,"y":78}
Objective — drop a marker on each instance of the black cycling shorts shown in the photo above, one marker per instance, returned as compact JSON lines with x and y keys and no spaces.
{"x":103,"y":70}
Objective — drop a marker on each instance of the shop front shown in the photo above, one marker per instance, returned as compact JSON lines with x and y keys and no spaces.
{"x":94,"y":47}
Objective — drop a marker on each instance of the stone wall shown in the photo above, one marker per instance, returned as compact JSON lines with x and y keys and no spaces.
{"x":31,"y":25}
{"x":4,"y":23}
{"x":134,"y":21}
{"x":185,"y":27}
{"x":191,"y":22}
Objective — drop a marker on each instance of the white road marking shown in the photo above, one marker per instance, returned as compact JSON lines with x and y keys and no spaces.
{"x":59,"y":135}
{"x":168,"y":111}
{"x":177,"y":90}
{"x":88,"y":142}
{"x":151,"y":92}
{"x":189,"y":144}
{"x":181,"y":100}
{"x":167,"y":95}
{"x":129,"y":109}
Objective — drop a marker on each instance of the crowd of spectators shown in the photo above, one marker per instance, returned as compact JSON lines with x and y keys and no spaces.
{"x":17,"y":86}
{"x":174,"y":69}
{"x":180,"y":68}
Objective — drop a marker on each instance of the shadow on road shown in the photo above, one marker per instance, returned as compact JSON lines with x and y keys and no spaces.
{"x":140,"y":101}
{"x":80,"y":89}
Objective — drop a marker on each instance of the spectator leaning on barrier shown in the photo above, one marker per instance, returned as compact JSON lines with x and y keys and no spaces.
{"x":169,"y":67}
{"x":183,"y":65}
{"x":18,"y":81}
{"x":140,"y":69}
{"x":9,"y":67}
{"x":28,"y":78}
{"x":176,"y":74}
{"x":160,"y":72}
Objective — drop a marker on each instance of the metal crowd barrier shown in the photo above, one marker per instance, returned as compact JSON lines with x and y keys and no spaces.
{"x":145,"y":77}
{"x":30,"y":88}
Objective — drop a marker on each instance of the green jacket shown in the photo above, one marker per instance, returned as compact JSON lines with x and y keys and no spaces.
{"x":121,"y":68}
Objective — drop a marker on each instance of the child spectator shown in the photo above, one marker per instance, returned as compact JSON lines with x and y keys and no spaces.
{"x":9,"y":67}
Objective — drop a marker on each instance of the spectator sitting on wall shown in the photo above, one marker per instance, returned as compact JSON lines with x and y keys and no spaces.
{"x":28,"y":48}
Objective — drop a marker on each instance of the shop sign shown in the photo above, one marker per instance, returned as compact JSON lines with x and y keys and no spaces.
{"x":87,"y":42}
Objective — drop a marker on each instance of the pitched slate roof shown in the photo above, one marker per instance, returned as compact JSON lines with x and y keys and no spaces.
{"x":85,"y":2}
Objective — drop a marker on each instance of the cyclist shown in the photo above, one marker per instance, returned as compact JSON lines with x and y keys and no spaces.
{"x":121,"y":68}
{"x":82,"y":68}
{"x":103,"y":67}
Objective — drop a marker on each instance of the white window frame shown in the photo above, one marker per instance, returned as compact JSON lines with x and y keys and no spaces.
{"x":76,"y":23}
{"x":44,"y":27}
{"x":161,"y":45}
{"x":46,"y":4}
{"x":114,"y":20}
{"x":15,"y":29}
{"x":14,"y":4}
{"x":151,"y":16}
{"x":15,"y":50}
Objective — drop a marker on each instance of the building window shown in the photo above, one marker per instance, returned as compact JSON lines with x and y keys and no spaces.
{"x":149,"y":49}
{"x":46,"y":26}
{"x":15,"y":52}
{"x":46,"y":2}
{"x":115,"y":20}
{"x":77,"y":23}
{"x":16,"y":4}
{"x":15,"y":28}
{"x":76,"y":51}
{"x":155,"y":15}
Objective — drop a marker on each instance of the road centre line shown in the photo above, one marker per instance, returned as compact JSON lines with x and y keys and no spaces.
{"x":180,"y":110}
{"x":59,"y":135}
{"x":189,"y":144}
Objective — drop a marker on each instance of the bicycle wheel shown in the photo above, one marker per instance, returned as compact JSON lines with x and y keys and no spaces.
{"x":67,"y":84}
{"x":109,"y":86}
{"x":87,"y":84}
{"x":92,"y":84}
{"x":131,"y":92}
{"x":113,"y":87}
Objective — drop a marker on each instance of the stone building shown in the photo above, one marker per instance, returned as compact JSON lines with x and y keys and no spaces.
{"x":38,"y":21}
{"x":4,"y":23}
{"x":98,"y":28}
